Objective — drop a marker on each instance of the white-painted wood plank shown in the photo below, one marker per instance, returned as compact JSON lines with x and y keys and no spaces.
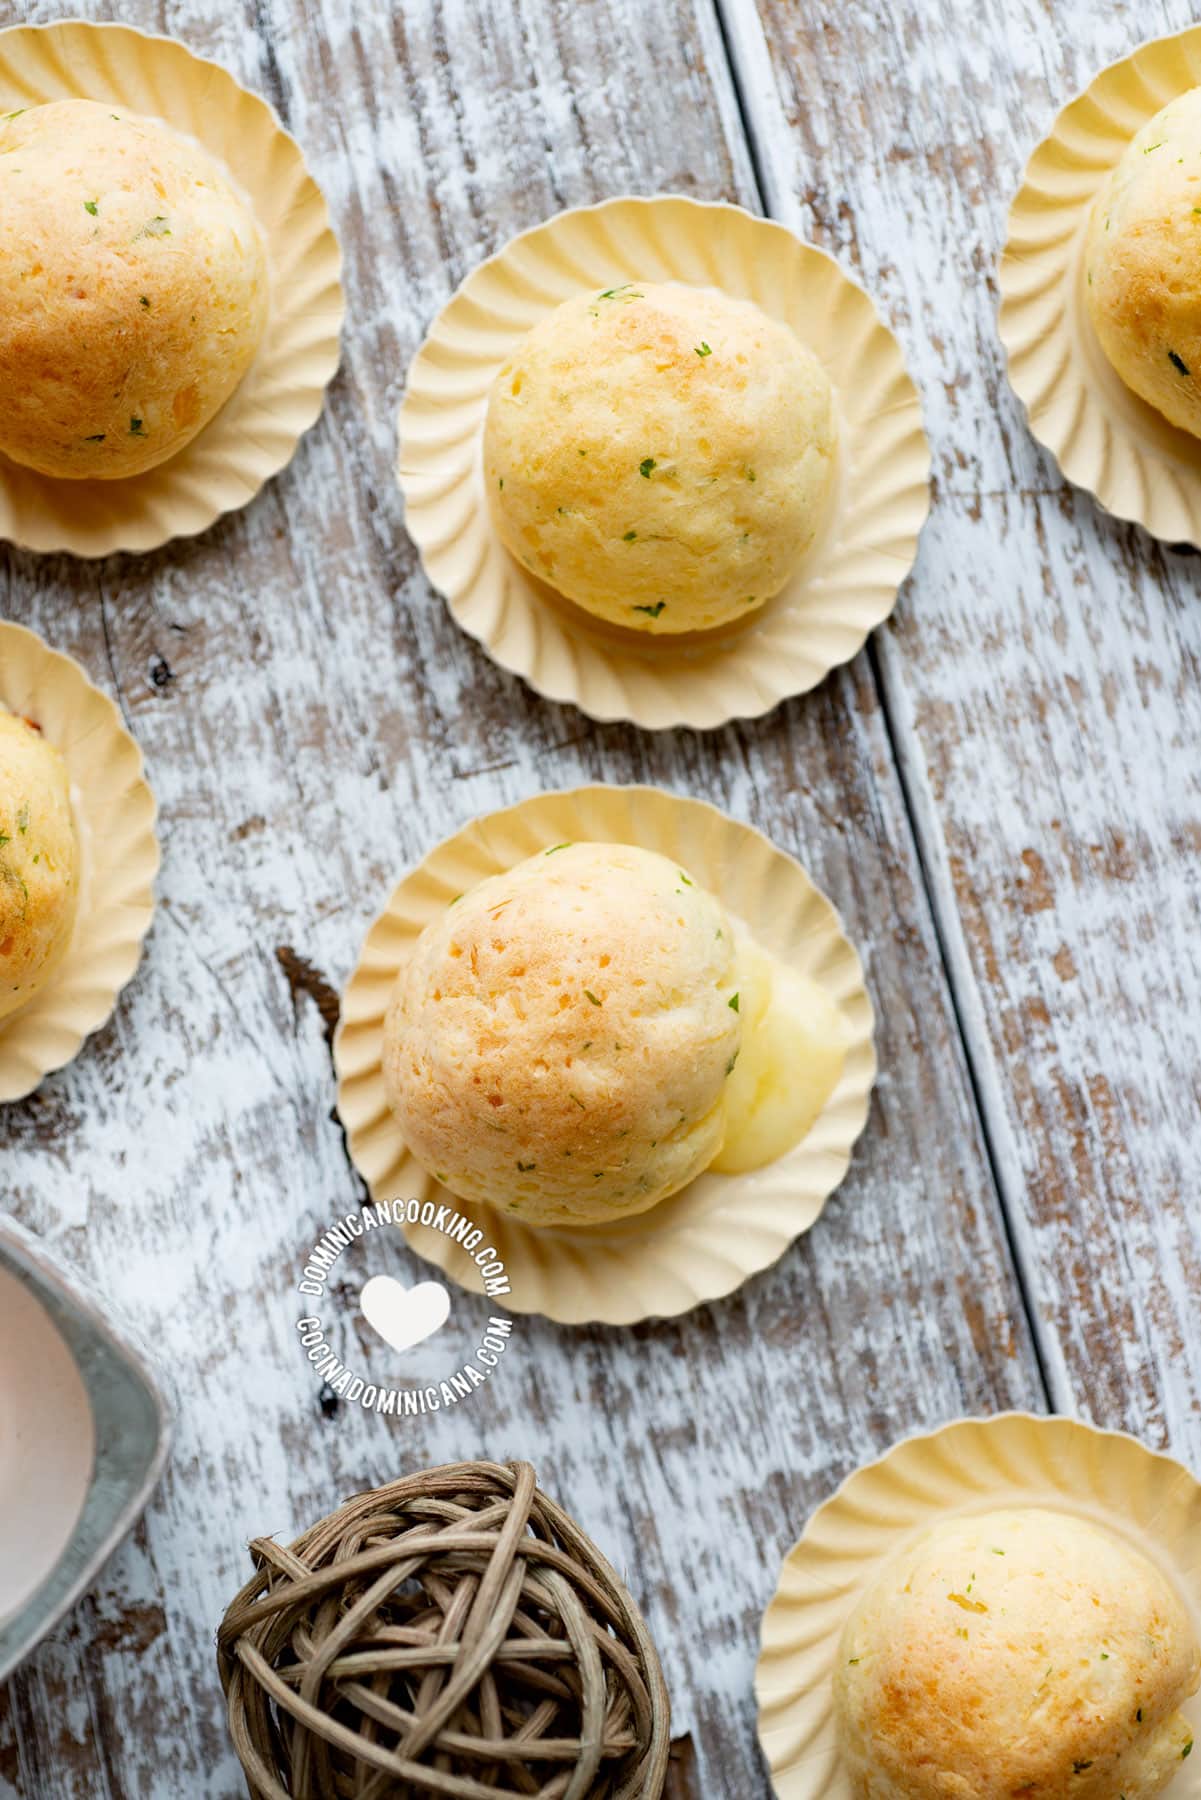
{"x":1039,"y":678}
{"x":313,"y":721}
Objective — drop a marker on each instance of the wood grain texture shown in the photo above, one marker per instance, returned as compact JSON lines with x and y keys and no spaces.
{"x":1040,"y":680}
{"x":312,"y":722}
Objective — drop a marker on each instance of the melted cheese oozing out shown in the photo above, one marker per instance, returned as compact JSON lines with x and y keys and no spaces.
{"x":794,"y":1045}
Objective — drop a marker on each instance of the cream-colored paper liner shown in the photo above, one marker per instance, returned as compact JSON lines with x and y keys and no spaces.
{"x":1103,"y":437}
{"x":256,"y":432}
{"x":849,"y":580}
{"x":706,"y":1240}
{"x":115,"y":815}
{"x":974,"y":1465}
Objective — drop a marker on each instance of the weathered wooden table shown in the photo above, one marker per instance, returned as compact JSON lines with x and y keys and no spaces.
{"x":1001,"y":794}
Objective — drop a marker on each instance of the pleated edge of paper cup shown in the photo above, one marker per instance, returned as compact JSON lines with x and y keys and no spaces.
{"x":171,"y":509}
{"x":793,"y":1673}
{"x":577,"y":666}
{"x":127,"y":893}
{"x":626,"y":1295}
{"x":1084,"y":453}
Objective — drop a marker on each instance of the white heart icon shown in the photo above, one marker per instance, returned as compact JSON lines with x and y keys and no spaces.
{"x":404,"y":1316}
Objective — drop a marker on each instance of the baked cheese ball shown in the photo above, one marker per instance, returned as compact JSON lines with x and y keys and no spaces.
{"x":1018,"y":1655}
{"x":1143,"y":263}
{"x":39,"y":862}
{"x":662,"y":455}
{"x":133,"y":290}
{"x":558,"y":1044}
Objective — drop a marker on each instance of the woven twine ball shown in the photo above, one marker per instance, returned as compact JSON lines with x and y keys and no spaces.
{"x":452,"y":1633}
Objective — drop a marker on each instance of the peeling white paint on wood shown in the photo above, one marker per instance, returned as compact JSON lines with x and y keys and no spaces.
{"x":313,"y":721}
{"x":1040,"y":681}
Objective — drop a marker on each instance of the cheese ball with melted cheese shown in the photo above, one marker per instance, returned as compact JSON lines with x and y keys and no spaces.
{"x":1017,"y":1655}
{"x":559,"y":1042}
{"x":1143,"y":263}
{"x":39,"y":862}
{"x":133,"y":290}
{"x":662,"y":455}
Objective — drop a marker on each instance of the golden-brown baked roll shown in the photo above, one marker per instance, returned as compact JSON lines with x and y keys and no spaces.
{"x":1017,"y":1655}
{"x":663,"y":455}
{"x":39,"y":862}
{"x":133,"y":290}
{"x":1143,"y":263}
{"x":558,"y":1044}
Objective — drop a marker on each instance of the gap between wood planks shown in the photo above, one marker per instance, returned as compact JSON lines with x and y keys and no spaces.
{"x":752,"y":79}
{"x":682,"y":1776}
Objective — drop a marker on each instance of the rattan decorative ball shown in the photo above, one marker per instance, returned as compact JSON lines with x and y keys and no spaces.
{"x":453,"y":1633}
